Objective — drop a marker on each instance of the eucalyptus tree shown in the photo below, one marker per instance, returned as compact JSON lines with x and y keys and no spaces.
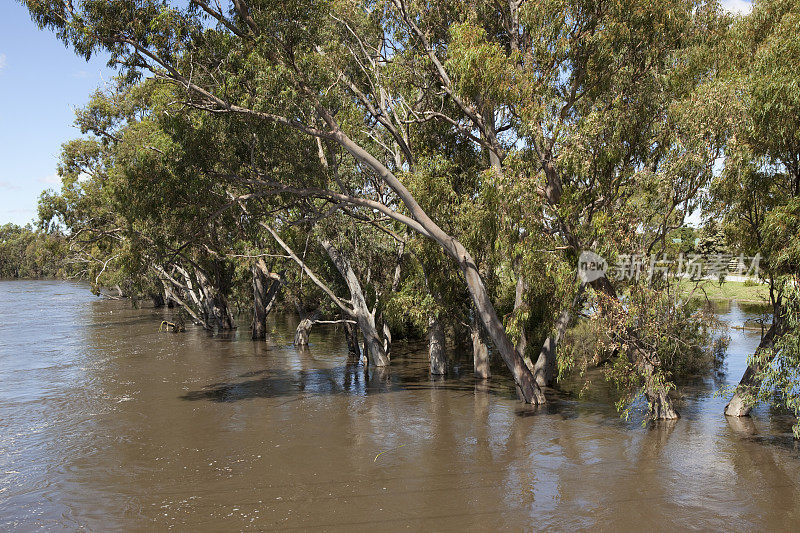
{"x":757,"y":194}
{"x":567,"y":110}
{"x":290,"y":64}
{"x":615,"y":148}
{"x":29,"y":253}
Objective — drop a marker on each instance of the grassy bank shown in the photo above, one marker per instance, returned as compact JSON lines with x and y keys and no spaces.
{"x":730,"y":290}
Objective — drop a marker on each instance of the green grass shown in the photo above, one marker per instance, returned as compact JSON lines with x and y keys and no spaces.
{"x":730,"y":290}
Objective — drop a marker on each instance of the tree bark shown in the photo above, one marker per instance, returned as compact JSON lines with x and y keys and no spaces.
{"x":740,"y":404}
{"x":361,"y":312}
{"x":303,"y":331}
{"x":480,"y":350}
{"x":544,"y":370}
{"x":436,"y":347}
{"x":353,"y":346}
{"x":658,"y":399}
{"x":259,"y":303}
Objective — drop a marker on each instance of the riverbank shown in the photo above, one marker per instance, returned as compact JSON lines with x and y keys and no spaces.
{"x":729,"y":290}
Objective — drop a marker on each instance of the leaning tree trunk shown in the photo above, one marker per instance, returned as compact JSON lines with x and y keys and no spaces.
{"x":364,"y":317}
{"x":529,"y":389}
{"x":741,"y":404}
{"x":480,"y":350}
{"x":423,"y":224}
{"x":436,"y":347}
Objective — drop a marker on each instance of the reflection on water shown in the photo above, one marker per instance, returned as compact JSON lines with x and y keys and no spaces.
{"x":107,"y":424}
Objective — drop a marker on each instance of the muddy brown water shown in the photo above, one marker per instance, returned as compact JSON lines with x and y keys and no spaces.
{"x":108,"y":425}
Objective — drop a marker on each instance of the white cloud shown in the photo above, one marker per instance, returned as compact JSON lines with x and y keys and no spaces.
{"x":737,"y":7}
{"x":8,"y":186}
{"x":52,"y":179}
{"x":2,"y":62}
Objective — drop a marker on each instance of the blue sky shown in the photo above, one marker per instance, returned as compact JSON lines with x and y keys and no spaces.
{"x":41,"y":84}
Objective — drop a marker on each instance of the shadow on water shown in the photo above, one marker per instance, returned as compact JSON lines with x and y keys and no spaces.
{"x":407,"y":373}
{"x":107,"y":424}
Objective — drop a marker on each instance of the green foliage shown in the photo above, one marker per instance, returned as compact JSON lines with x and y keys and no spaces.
{"x":30,"y":254}
{"x":674,"y":341}
{"x":780,"y":366}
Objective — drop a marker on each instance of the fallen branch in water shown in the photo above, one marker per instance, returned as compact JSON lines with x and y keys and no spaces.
{"x":165,"y":326}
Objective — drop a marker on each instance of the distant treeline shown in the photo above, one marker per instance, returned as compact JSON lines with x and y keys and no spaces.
{"x":29,"y":253}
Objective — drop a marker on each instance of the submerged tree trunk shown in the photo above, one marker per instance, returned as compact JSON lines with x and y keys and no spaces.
{"x":659,"y":402}
{"x":158,"y":300}
{"x":266,"y":286}
{"x":658,"y":399}
{"x":364,"y":317}
{"x":303,"y":331}
{"x":436,"y":347}
{"x":350,"y":335}
{"x":544,"y":370}
{"x":387,"y":339}
{"x":259,"y":304}
{"x":741,"y":404}
{"x":480,"y":350}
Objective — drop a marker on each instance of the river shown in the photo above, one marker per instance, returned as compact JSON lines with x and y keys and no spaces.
{"x":107,"y":425}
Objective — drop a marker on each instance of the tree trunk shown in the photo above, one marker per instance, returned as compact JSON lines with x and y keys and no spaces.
{"x":259,"y":304}
{"x":658,"y":400}
{"x":272,"y":293}
{"x":544,"y":370}
{"x":387,"y":340}
{"x":365,"y":318}
{"x":436,"y":347}
{"x":741,"y":403}
{"x":158,"y":300}
{"x":214,"y":305}
{"x":528,"y":388}
{"x":266,"y":287}
{"x":302,"y":332}
{"x":350,"y":335}
{"x":423,"y":224}
{"x":480,"y":350}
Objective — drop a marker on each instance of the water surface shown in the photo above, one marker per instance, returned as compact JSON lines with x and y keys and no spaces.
{"x":107,"y":424}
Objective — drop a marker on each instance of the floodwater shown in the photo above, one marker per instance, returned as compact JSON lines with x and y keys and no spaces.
{"x":107,"y":424}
